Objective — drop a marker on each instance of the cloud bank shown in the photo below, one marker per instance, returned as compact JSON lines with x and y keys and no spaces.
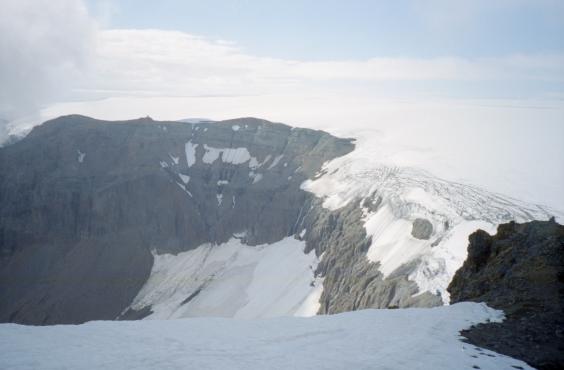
{"x":155,"y":62}
{"x":51,"y":51}
{"x":43,"y":46}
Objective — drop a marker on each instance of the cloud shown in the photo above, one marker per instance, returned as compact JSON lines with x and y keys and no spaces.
{"x":158,"y":63}
{"x":50,"y":50}
{"x":43,"y":46}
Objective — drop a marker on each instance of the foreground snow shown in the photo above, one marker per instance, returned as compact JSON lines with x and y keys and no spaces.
{"x":371,"y":339}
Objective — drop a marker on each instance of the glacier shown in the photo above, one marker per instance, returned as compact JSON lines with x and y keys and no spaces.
{"x":393,"y":197}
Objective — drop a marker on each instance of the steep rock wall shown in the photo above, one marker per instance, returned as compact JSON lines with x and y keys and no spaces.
{"x":85,"y":202}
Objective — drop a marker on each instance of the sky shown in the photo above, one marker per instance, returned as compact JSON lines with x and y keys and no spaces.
{"x":476,"y":86}
{"x":355,"y":29}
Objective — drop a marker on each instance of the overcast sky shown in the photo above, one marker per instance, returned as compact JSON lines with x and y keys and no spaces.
{"x":344,"y":66}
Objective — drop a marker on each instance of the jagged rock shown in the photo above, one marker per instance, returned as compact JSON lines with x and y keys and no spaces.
{"x":351,"y":281}
{"x":519,"y":270}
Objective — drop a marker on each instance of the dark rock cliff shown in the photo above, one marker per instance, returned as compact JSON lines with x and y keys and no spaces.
{"x":520,"y":270}
{"x":83,"y":203}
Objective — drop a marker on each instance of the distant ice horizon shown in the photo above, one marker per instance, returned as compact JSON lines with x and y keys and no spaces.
{"x":427,"y":86}
{"x":502,"y":146}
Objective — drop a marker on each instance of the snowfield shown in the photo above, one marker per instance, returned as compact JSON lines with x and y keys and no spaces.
{"x":233,"y":280}
{"x":371,"y":339}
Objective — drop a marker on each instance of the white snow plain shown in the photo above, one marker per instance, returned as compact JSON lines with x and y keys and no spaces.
{"x":370,"y":339}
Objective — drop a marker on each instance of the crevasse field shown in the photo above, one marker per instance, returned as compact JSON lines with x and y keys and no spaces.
{"x":370,"y":339}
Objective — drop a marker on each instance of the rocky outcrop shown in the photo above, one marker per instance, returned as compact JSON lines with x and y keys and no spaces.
{"x":520,"y":270}
{"x":84,"y":202}
{"x":351,"y":281}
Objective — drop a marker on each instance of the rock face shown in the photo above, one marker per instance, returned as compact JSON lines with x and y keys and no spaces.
{"x":521,"y":271}
{"x":351,"y":281}
{"x":84,"y":202}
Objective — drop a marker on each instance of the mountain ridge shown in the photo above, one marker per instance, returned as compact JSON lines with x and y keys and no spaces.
{"x":92,"y":204}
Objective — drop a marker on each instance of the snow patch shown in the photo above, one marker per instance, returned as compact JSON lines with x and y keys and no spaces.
{"x":210,"y":154}
{"x":254,"y":163}
{"x":231,"y":280}
{"x":311,"y":305}
{"x":184,"y":188}
{"x":255,"y":176}
{"x":190,"y":150}
{"x":228,"y":155}
{"x":185,"y":178}
{"x":235,"y":127}
{"x":392,"y":243}
{"x":81,"y":156}
{"x":219,"y":199}
{"x":175,"y":160}
{"x":275,"y":161}
{"x":240,"y":235}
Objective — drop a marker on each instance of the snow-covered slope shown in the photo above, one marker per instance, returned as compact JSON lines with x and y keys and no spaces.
{"x":233,"y":280}
{"x":371,"y":339}
{"x":393,"y":198}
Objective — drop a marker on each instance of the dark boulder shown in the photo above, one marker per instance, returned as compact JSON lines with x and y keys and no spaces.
{"x":422,"y":229}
